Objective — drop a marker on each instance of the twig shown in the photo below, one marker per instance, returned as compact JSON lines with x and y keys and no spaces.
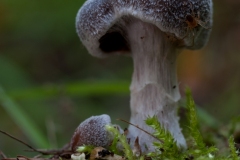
{"x":2,"y":155}
{"x":141,"y":130}
{"x":23,"y":158}
{"x":18,"y":140}
{"x":44,"y":152}
{"x":54,"y":152}
{"x":63,"y":151}
{"x":20,"y":156}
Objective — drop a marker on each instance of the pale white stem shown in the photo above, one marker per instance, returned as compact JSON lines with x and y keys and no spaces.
{"x":154,"y":88}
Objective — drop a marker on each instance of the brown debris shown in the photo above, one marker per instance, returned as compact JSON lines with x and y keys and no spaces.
{"x":102,"y":153}
{"x":137,"y":149}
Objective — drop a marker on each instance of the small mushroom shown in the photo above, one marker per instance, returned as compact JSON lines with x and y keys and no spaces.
{"x":153,"y":32}
{"x":92,"y":132}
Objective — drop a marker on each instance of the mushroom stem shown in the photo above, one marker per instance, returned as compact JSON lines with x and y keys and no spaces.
{"x":154,"y":88}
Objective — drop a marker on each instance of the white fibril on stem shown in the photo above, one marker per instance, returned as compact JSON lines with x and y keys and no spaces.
{"x":152,"y":32}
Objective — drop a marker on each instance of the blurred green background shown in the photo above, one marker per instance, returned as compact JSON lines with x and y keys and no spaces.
{"x":49,"y":83}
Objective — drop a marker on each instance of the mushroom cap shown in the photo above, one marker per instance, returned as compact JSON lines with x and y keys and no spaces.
{"x":101,"y":23}
{"x":92,"y":132}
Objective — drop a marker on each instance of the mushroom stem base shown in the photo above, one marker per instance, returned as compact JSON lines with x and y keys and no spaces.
{"x":154,"y":88}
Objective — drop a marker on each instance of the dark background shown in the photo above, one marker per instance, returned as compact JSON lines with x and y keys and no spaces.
{"x":49,"y":83}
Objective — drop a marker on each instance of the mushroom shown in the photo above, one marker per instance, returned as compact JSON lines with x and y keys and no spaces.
{"x":153,"y":32}
{"x":92,"y":132}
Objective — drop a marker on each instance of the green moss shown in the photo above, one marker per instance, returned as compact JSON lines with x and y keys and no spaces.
{"x":233,"y":150}
{"x":122,"y":139}
{"x":166,"y":147}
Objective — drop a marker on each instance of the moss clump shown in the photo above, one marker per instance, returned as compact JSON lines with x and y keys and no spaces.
{"x":166,"y":147}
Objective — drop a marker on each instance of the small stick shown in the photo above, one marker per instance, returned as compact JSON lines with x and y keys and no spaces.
{"x":18,"y":140}
{"x":20,"y":156}
{"x":2,"y":155}
{"x":141,"y":130}
{"x":50,"y":152}
{"x":23,"y":158}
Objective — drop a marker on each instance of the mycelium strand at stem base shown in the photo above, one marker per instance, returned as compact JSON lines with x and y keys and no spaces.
{"x":154,"y":88}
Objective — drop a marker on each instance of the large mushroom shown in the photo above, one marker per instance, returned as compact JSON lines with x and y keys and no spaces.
{"x":152,"y":32}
